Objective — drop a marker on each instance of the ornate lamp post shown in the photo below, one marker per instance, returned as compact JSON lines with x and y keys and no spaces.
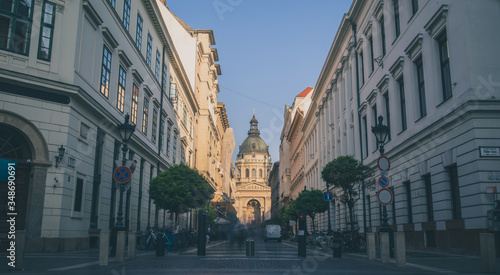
{"x":126,"y":130}
{"x":381,"y":132}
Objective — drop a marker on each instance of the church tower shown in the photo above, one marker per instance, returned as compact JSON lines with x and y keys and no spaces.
{"x":253,"y":165}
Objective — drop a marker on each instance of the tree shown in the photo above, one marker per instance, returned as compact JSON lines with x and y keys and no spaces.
{"x":311,"y":202}
{"x":345,"y":172}
{"x":211,"y":213}
{"x":179,"y":189}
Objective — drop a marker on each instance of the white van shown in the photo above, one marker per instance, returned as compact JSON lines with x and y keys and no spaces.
{"x":273,"y":232}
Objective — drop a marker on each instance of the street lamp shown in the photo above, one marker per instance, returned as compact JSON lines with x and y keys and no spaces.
{"x":126,"y":130}
{"x":381,"y":132}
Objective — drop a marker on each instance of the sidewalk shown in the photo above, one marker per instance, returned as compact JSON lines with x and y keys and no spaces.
{"x":431,"y":261}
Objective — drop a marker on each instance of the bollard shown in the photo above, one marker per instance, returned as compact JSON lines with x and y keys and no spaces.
{"x":384,"y":247}
{"x":488,"y":257}
{"x":337,"y":247}
{"x":250,"y":247}
{"x":120,"y":246}
{"x":371,"y":249}
{"x":399,"y":237}
{"x":202,"y":232}
{"x":160,"y":246}
{"x":132,"y":239}
{"x":104,"y":248}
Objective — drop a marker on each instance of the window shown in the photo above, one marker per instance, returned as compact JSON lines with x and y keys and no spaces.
{"x":15,"y":25}
{"x":397,"y":25}
{"x":428,"y":197}
{"x":382,"y":34}
{"x":247,"y":173}
{"x":155,"y":125}
{"x":414,"y":7}
{"x":149,"y":49}
{"x":174,"y":149}
{"x":421,"y":87}
{"x":157,"y":66}
{"x":138,"y":34}
{"x":402,"y":102}
{"x":408,"y":201}
{"x":164,"y":77}
{"x":168,"y":140}
{"x":77,"y":203}
{"x":254,"y":173}
{"x":362,"y":69}
{"x":393,"y":205}
{"x":112,"y":2}
{"x":455,"y":192}
{"x":184,"y":115}
{"x":372,"y":64}
{"x":135,"y":99}
{"x":444,"y":58}
{"x":145,"y":111}
{"x":260,"y":173}
{"x":105,"y":71}
{"x":162,"y":134}
{"x":173,"y":91}
{"x":46,"y":31}
{"x":365,"y":127}
{"x":387,"y":114}
{"x":122,"y":76}
{"x":126,"y":14}
{"x":183,"y":156}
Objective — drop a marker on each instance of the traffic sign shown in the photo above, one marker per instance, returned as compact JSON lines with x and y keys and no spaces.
{"x":383,"y":181}
{"x":122,"y":174}
{"x":328,"y":196}
{"x":384,"y":196}
{"x":383,"y":163}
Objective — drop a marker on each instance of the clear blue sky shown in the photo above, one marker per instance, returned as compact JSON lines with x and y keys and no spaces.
{"x":269,"y":51}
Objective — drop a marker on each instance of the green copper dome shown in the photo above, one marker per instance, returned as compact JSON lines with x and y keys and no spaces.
{"x":254,"y":143}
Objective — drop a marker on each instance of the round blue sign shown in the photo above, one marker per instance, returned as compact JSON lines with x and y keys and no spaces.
{"x":122,"y":174}
{"x":383,"y":181}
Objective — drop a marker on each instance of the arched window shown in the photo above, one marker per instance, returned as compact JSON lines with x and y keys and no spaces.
{"x":247,"y":173}
{"x":260,"y":173}
{"x":254,"y":173}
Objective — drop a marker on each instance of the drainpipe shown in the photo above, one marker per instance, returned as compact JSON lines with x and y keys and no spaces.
{"x":162,"y":92}
{"x":354,"y":28}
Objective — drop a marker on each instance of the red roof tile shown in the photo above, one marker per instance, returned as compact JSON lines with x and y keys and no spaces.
{"x":305,"y":92}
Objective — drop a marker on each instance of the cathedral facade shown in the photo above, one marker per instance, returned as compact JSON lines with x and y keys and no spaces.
{"x":253,"y":165}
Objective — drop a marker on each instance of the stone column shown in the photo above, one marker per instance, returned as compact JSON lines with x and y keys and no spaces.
{"x":488,"y":257}
{"x":384,"y":247}
{"x":104,"y":247}
{"x":120,"y":246}
{"x":132,"y":238}
{"x":400,"y":249}
{"x":370,"y":239}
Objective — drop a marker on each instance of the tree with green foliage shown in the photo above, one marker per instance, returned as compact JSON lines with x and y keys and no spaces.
{"x":179,"y":189}
{"x":311,"y":202}
{"x":345,"y":172}
{"x":211,"y":214}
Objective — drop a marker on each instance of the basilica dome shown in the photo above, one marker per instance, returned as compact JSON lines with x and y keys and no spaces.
{"x":254,"y":143}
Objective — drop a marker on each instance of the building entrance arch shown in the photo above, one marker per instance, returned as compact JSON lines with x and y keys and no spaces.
{"x":22,"y":142}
